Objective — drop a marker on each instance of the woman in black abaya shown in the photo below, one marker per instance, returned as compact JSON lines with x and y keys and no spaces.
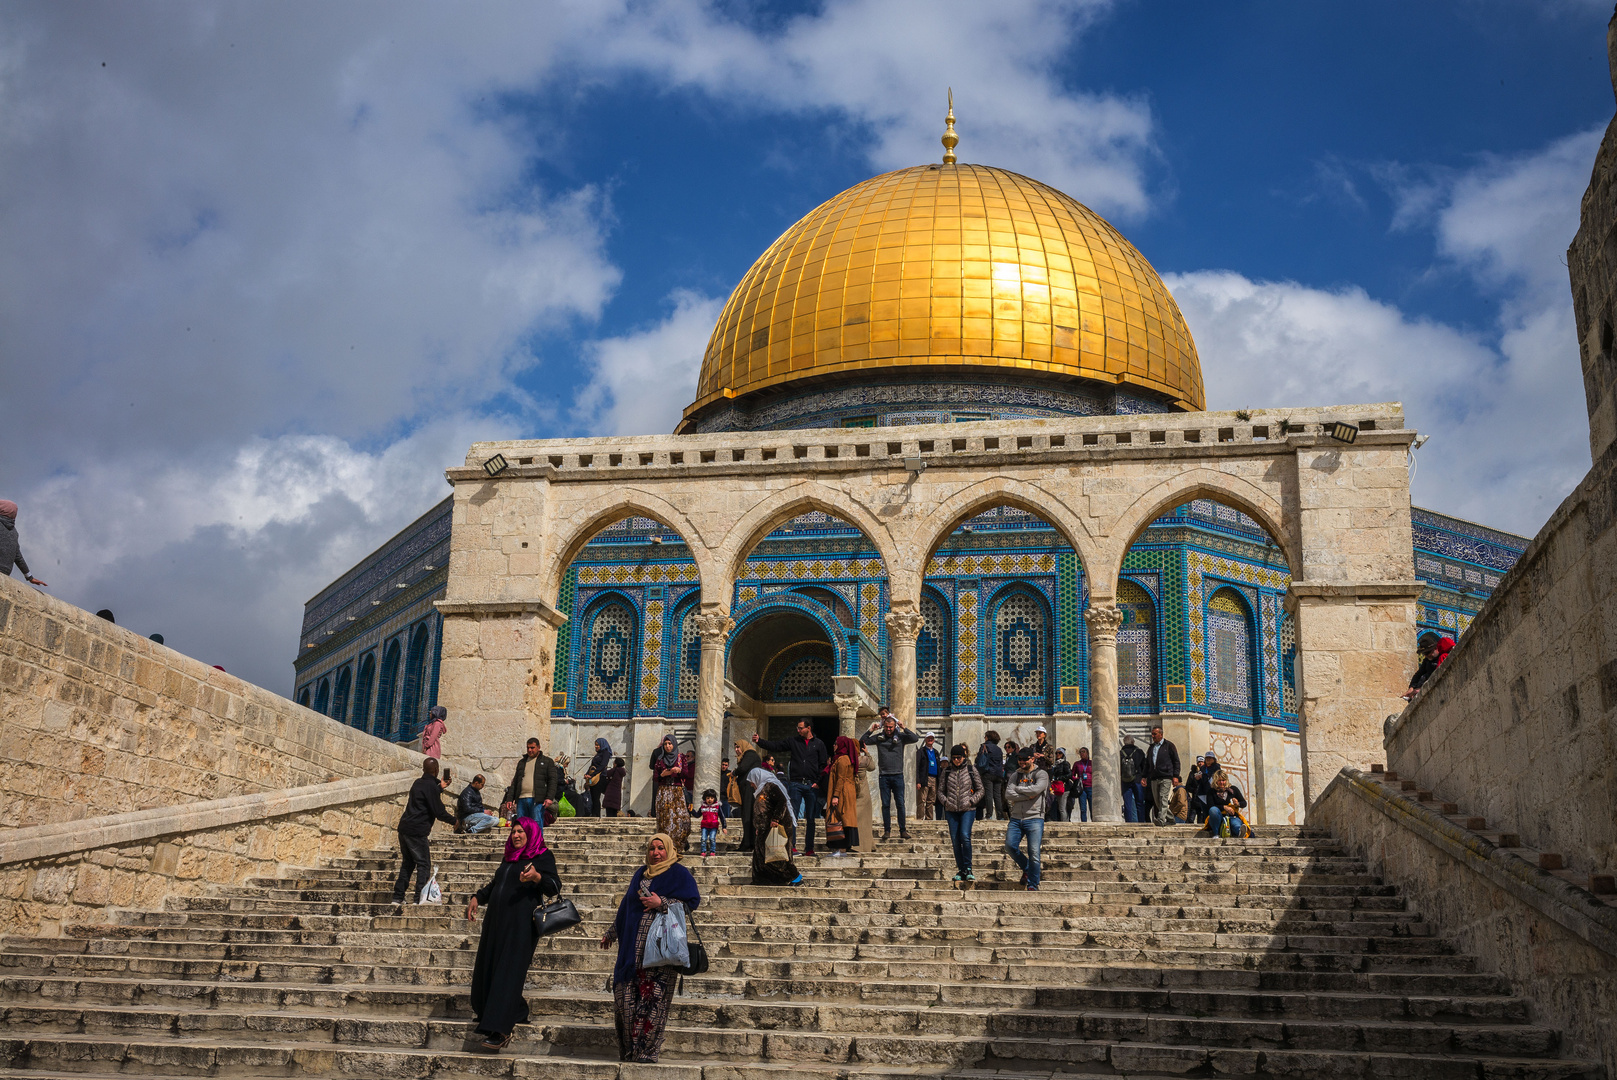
{"x":505,"y":949}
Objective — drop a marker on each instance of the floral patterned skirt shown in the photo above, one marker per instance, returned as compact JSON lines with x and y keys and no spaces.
{"x":640,"y":1005}
{"x":673,"y":816}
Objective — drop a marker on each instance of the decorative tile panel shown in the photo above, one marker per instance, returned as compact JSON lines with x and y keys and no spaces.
{"x":966,"y":649}
{"x":651,"y":656}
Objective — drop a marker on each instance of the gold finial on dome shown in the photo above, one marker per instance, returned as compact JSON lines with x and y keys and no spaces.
{"x":950,"y":139}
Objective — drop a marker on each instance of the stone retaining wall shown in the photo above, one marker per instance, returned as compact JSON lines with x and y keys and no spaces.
{"x":97,"y":720}
{"x":1520,"y":724}
{"x":54,"y":875}
{"x":1555,"y":943}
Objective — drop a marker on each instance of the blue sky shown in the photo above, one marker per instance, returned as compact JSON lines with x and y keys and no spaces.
{"x":266,"y":269}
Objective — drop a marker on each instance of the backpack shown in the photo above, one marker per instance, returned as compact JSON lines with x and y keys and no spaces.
{"x":1131,"y":769}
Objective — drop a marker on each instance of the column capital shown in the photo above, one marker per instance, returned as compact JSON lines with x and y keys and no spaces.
{"x":905,"y":626}
{"x":1104,"y":621}
{"x":714,"y":626}
{"x":847,"y":705}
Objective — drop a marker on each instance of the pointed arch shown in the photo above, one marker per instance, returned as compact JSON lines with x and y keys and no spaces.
{"x":1231,"y":625}
{"x":609,"y":655}
{"x":411,"y":713}
{"x":362,"y":692}
{"x":382,"y":724}
{"x":1231,"y":490}
{"x":1021,"y":651}
{"x":341,"y":693}
{"x":322,"y":696}
{"x":929,"y":534}
{"x":801,"y":498}
{"x":584,"y":522}
{"x":934,"y":653}
{"x":1137,"y":682}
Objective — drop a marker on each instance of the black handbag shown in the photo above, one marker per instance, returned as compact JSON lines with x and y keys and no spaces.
{"x":554,"y":917}
{"x":698,"y":952}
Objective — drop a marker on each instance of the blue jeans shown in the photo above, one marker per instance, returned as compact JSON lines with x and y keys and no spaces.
{"x":892,"y":788}
{"x":710,"y":841}
{"x":1216,"y":819}
{"x":1033,"y":829}
{"x":531,"y":809}
{"x":479,"y":822}
{"x":1086,"y":799}
{"x":960,"y":822}
{"x":806,"y":804}
{"x":1134,"y":808}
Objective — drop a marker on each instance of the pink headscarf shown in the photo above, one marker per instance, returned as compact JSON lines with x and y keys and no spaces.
{"x":8,"y":508}
{"x":535,"y":845}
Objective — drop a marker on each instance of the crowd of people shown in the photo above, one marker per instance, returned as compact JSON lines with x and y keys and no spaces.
{"x":777,"y":790}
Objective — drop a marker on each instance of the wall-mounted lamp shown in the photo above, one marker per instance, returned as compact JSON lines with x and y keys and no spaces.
{"x":1341,"y":432}
{"x":967,"y":529}
{"x":915,"y":464}
{"x":1420,"y":441}
{"x":656,"y":539}
{"x":495,"y":465}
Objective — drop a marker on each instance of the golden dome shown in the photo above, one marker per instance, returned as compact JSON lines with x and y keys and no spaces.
{"x":944,"y":266}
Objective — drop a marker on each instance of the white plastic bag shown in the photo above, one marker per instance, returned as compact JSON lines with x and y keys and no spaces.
{"x":667,"y":943}
{"x":430,"y":892}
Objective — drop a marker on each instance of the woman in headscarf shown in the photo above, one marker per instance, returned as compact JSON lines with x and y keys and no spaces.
{"x":505,"y":949}
{"x":433,"y":734}
{"x":842,"y":802}
{"x":669,"y":768}
{"x":641,"y":997}
{"x":746,"y":760}
{"x":595,"y":776}
{"x":771,"y":806}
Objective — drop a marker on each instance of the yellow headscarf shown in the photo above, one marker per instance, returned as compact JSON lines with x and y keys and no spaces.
{"x":670,"y":855}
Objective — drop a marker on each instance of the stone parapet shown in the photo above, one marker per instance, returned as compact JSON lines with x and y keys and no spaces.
{"x":96,"y":720}
{"x":53,"y":875}
{"x":1520,"y":723}
{"x":1556,"y":942}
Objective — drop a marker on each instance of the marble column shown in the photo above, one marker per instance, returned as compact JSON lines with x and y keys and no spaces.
{"x":714,"y":628}
{"x":1104,"y":620}
{"x":903,"y":628}
{"x":847,"y":714}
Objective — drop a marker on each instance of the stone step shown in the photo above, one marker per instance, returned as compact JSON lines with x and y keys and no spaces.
{"x":702,"y":1050}
{"x":381,"y":1001}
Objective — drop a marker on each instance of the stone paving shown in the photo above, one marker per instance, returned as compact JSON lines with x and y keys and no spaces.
{"x":1148,"y":953}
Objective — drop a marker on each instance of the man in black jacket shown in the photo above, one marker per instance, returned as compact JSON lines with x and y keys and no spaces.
{"x":1161,"y":770}
{"x":425,"y":803}
{"x":535,"y":785}
{"x":808,"y":758}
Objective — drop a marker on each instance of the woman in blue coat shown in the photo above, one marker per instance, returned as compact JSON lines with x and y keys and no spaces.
{"x":642,"y":997}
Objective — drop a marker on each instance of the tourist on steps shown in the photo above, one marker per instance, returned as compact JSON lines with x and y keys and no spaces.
{"x":612,"y":788}
{"x":1161,"y":770}
{"x":669,"y":768}
{"x":535,"y":786}
{"x":1060,"y":782}
{"x":928,"y":767}
{"x":595,"y":775}
{"x":426,"y":802}
{"x":1225,"y":805}
{"x":960,"y":787}
{"x":1083,"y":785}
{"x":991,"y":767}
{"x":433,"y":734}
{"x":747,"y":760}
{"x":10,"y":547}
{"x":842,"y":790}
{"x":473,"y":817}
{"x":889,"y":739}
{"x":1132,"y":774}
{"x":806,"y":759}
{"x":505,"y":949}
{"x":641,"y":997}
{"x":1025,"y":793}
{"x":1433,"y":651}
{"x":772,"y":809}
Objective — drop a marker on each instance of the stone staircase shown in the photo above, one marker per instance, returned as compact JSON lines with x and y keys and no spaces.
{"x":1148,"y":953}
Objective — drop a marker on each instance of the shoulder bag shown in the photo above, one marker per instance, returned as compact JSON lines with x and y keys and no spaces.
{"x":698,"y":951}
{"x":555,"y":916}
{"x":667,"y":942}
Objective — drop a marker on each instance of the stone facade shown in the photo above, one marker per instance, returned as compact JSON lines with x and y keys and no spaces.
{"x":1528,"y":701}
{"x":1592,"y":261}
{"x":1340,"y":515}
{"x":97,"y":720}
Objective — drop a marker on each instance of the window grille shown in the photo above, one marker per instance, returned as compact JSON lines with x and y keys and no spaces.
{"x":1136,"y":639}
{"x":611,"y":654}
{"x":1288,"y":663}
{"x":931,"y":652}
{"x":1019,"y":661}
{"x":808,"y":679}
{"x":689,"y":657}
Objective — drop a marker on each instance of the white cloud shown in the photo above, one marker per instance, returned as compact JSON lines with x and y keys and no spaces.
{"x":1505,"y":407}
{"x":265,"y":267}
{"x":641,"y":382}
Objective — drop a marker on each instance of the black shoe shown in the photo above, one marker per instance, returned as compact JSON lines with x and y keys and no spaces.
{"x":903,"y":836}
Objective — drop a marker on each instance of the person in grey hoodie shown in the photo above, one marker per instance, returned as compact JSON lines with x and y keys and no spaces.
{"x":889,"y":739}
{"x":1025,"y":792}
{"x":10,"y":548}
